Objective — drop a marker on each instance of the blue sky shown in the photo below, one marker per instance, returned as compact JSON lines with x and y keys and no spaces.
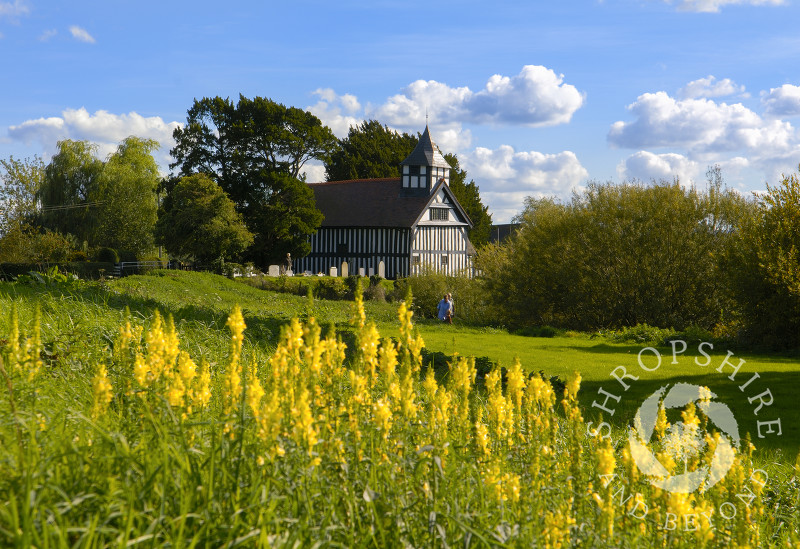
{"x":536,"y":98}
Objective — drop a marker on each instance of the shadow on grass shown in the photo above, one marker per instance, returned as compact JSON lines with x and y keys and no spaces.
{"x":262,"y":329}
{"x":743,"y":403}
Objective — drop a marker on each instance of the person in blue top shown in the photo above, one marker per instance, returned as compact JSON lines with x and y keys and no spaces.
{"x":445,"y":310}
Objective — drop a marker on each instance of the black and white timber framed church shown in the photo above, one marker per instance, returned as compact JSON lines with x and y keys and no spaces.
{"x":411,"y":223}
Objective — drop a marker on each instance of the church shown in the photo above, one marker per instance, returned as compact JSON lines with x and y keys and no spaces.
{"x":411,"y":223}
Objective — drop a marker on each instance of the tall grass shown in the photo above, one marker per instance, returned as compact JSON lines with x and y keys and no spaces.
{"x":124,"y":435}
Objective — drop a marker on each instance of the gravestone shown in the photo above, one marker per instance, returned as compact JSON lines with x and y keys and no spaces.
{"x":345,"y":269}
{"x":274,"y":270}
{"x":334,"y":271}
{"x":371,"y":272}
{"x":361,"y":271}
{"x":381,"y":270}
{"x":289,"y":272}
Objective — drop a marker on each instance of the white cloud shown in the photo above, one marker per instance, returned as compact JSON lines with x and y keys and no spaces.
{"x":81,"y":34}
{"x":713,"y":6}
{"x":47,"y":35}
{"x":710,"y":87}
{"x":314,"y":172}
{"x":700,"y":125}
{"x":104,"y":128}
{"x":338,"y":112}
{"x":537,"y":96}
{"x":783,"y":101}
{"x":14,"y":9}
{"x":506,"y":177}
{"x":648,"y":166}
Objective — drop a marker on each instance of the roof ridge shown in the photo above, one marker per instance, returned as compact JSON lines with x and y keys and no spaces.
{"x":364,"y":180}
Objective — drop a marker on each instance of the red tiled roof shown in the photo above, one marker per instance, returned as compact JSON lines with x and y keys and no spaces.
{"x":367,"y":203}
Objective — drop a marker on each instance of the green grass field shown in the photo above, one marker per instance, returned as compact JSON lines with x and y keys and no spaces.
{"x":117,"y":440}
{"x":200,"y":303}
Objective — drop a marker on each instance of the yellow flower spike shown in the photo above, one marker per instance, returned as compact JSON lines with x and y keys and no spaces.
{"x":141,"y":372}
{"x":662,"y":424}
{"x":254,"y":394}
{"x":175,"y":392}
{"x":303,"y":432}
{"x":481,"y":433}
{"x":606,"y":462}
{"x":186,"y":368}
{"x":387,"y":361}
{"x":102,"y":391}
{"x":382,"y":416}
{"x":429,"y":386}
{"x":573,"y":385}
{"x":202,"y":393}
{"x":236,"y":325}
{"x":359,"y":317}
{"x":515,"y":384}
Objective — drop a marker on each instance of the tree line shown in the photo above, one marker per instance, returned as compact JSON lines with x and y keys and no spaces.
{"x":237,"y":189}
{"x":661,"y":254}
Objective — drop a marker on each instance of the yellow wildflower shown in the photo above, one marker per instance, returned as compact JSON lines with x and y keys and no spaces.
{"x":102,"y":391}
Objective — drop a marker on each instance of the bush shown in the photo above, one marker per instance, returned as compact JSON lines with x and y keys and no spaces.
{"x":107,"y":255}
{"x":375,"y":292}
{"x":330,"y":288}
{"x":693,"y":336}
{"x":83,"y":269}
{"x":469,"y":299}
{"x":643,"y":333}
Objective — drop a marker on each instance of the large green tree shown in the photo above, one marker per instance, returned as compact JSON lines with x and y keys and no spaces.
{"x":106,"y":204}
{"x":126,"y":198}
{"x":255,"y":150}
{"x":197,"y":220}
{"x":469,"y":197}
{"x":372,"y":150}
{"x":763,"y":268}
{"x":71,"y":177}
{"x":20,"y":183}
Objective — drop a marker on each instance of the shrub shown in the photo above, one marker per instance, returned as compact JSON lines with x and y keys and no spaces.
{"x":107,"y":255}
{"x":375,"y":292}
{"x":644,"y":333}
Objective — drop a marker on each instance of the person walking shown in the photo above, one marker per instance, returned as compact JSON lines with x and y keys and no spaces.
{"x":444,"y":310}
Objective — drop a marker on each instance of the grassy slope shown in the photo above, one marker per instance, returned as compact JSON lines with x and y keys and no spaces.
{"x":596,"y":358}
{"x":74,"y":320}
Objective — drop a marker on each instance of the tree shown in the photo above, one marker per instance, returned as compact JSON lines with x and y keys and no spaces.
{"x":617,"y":255}
{"x":763,"y":268}
{"x":198,"y":220}
{"x":469,"y":197}
{"x":370,"y":150}
{"x":20,"y":184}
{"x":70,"y":179}
{"x":126,"y":199}
{"x":252,"y":149}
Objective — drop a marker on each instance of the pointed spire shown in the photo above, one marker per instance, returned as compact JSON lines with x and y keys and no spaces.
{"x":426,"y":153}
